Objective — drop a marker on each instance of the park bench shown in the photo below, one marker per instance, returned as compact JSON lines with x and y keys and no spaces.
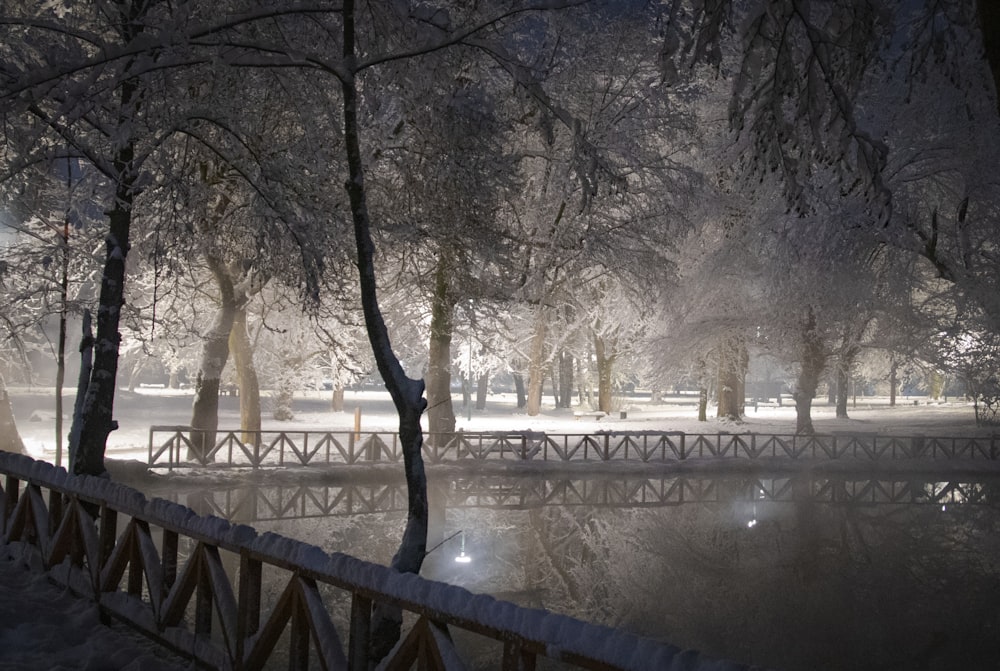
{"x":596,"y":414}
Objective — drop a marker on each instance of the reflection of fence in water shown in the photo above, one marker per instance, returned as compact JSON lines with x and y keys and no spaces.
{"x":259,"y":503}
{"x":228,"y":597}
{"x":169,"y":447}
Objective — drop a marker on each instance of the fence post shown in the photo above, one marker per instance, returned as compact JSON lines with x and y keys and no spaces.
{"x":361,"y":624}
{"x":248,"y":611}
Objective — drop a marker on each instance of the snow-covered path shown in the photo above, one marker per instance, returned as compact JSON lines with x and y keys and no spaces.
{"x":43,"y":627}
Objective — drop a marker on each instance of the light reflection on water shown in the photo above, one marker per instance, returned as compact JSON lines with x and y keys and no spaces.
{"x":789,"y":572}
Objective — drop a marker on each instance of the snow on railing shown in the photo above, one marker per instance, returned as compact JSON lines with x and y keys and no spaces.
{"x":197,"y":585}
{"x":171,"y":447}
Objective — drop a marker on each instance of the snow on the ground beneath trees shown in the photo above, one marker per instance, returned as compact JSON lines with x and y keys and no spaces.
{"x":137,"y":411}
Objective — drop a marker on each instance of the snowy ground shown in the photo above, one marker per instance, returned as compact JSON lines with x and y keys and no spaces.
{"x":44,"y":627}
{"x":136,"y":412}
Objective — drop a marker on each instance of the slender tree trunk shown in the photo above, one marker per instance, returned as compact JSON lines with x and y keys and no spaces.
{"x":337,"y":398}
{"x":61,"y":346}
{"x":813,"y":361}
{"x":214,"y":353}
{"x":407,"y":394}
{"x":95,"y":420}
{"x":246,"y":376}
{"x":440,"y":410}
{"x":536,"y":362}
{"x":844,"y":363}
{"x":893,"y":383}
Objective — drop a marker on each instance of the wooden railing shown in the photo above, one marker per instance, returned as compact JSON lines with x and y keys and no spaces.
{"x":197,"y":585}
{"x":171,"y":447}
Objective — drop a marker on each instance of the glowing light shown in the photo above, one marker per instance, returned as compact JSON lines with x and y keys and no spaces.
{"x":751,"y":524}
{"x":463,"y":558}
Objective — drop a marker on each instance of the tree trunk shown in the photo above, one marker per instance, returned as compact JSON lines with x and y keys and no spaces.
{"x":481,"y":390}
{"x":337,"y":398}
{"x":246,"y":376}
{"x":440,"y":410}
{"x":844,"y":364}
{"x":893,"y":384}
{"x":989,"y":26}
{"x":843,"y":389}
{"x":522,"y":399}
{"x":605,"y":372}
{"x":813,"y":361}
{"x":61,"y":344}
{"x":10,"y":439}
{"x":536,"y":362}
{"x":406,"y":393}
{"x":95,"y":419}
{"x":566,"y":363}
{"x":214,"y":353}
{"x":730,"y":379}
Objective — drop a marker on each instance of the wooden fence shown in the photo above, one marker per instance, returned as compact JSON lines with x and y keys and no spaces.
{"x":171,"y":447}
{"x":204,"y":588}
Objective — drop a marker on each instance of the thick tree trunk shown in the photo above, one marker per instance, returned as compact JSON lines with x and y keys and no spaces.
{"x":440,"y":410}
{"x":407,"y":394}
{"x":566,"y":364}
{"x":536,"y":362}
{"x":605,"y":372}
{"x":337,"y":398}
{"x":730,"y":379}
{"x":246,"y":376}
{"x":482,"y":388}
{"x":813,"y":361}
{"x":214,"y":353}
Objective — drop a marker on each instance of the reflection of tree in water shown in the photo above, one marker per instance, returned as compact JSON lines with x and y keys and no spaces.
{"x":810,"y":586}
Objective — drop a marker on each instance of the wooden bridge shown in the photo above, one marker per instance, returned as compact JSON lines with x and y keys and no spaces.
{"x":198,"y":585}
{"x":171,"y":447}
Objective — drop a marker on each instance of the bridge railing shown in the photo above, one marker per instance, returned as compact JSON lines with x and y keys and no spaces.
{"x":172,"y":447}
{"x":205,"y":588}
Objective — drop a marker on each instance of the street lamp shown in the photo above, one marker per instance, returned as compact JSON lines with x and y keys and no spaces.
{"x":462,"y":558}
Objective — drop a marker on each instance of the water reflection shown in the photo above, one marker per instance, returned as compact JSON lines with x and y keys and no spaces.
{"x":792,"y":572}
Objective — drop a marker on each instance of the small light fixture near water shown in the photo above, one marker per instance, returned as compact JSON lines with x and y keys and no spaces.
{"x":944,"y":508}
{"x":463,"y":558}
